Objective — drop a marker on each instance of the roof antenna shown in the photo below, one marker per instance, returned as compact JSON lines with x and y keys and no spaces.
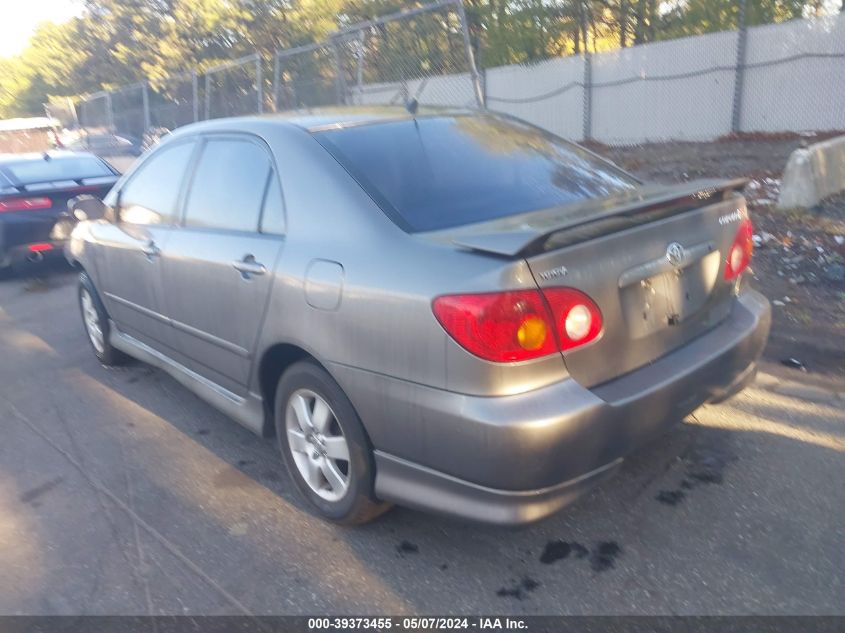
{"x":412,"y":106}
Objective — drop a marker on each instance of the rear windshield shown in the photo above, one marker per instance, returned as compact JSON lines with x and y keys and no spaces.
{"x":56,"y":169}
{"x":439,"y":172}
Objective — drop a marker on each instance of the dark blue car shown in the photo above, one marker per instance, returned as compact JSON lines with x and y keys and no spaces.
{"x":34,"y":191}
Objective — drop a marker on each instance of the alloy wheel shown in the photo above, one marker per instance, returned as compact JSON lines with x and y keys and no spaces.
{"x":317,"y":444}
{"x":92,"y":322}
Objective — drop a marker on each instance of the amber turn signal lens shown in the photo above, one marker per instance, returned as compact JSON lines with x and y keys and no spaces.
{"x":532,"y":333}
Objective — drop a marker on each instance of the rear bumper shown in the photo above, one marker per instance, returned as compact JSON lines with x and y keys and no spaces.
{"x":517,"y":459}
{"x":27,"y":237}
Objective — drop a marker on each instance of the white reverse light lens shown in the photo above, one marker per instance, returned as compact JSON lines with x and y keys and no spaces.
{"x":736,"y":258}
{"x":578,"y":322}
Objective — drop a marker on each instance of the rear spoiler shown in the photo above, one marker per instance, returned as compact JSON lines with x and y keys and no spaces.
{"x":538,"y":231}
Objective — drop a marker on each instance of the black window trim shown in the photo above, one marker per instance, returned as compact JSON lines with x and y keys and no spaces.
{"x":118,"y":203}
{"x":203,"y":138}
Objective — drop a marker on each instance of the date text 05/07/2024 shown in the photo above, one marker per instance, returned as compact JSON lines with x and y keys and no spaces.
{"x":417,"y":623}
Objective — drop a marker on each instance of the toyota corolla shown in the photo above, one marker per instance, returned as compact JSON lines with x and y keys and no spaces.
{"x":452,"y":311}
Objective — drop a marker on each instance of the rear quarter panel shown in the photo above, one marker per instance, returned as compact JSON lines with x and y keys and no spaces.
{"x":383,"y":322}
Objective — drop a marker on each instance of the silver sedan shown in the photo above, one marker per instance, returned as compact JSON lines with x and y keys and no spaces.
{"x":454,"y":311}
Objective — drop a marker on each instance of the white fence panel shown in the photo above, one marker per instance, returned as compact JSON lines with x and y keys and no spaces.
{"x":802,"y":94}
{"x":549,"y":94}
{"x":389,"y":93}
{"x":454,"y":91}
{"x":665,"y":90}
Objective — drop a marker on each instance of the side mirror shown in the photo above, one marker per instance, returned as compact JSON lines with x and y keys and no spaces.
{"x":87,"y":208}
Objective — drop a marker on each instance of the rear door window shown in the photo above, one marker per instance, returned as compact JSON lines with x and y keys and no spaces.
{"x":228,"y":187}
{"x":436,"y":172}
{"x":152,"y":193}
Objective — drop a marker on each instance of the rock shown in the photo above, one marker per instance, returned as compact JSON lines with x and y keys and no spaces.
{"x":839,"y":239}
{"x":778,"y":303}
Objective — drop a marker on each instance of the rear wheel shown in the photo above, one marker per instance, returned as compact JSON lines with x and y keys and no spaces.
{"x":324,"y":446}
{"x":96,"y":322}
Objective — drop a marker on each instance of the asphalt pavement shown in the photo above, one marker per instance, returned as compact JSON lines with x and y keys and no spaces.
{"x":122,"y":493}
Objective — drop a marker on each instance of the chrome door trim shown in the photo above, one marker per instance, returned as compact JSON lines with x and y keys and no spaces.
{"x":210,"y":338}
{"x":184,"y":327}
{"x":145,"y":311}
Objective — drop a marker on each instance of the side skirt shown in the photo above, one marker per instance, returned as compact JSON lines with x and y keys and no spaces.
{"x":248,"y":411}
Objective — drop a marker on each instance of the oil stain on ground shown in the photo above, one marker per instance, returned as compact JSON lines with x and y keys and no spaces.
{"x":602,"y":557}
{"x":670,"y":497}
{"x":519,"y":589}
{"x":705,"y":464}
{"x":406,"y":547}
{"x":558,"y":550}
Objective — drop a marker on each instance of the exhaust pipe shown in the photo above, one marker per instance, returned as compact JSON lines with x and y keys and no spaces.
{"x":35,"y":257}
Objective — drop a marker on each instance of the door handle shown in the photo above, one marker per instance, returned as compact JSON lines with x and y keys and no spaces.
{"x":150,"y":249}
{"x":249,"y":267}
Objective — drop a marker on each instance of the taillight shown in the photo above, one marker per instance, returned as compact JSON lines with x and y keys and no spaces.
{"x":499,"y":326}
{"x":25,"y":204}
{"x":739,"y":254}
{"x":519,"y":325}
{"x":577,"y":316}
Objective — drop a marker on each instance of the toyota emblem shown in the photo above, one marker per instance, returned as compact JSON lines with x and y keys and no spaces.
{"x":675,"y":254}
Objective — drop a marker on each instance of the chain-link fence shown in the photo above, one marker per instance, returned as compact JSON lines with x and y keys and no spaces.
{"x":62,"y":110}
{"x":95,"y":113}
{"x":787,"y":76}
{"x":150,"y":109}
{"x":234,"y":88}
{"x":421,"y":54}
{"x":130,"y":116}
{"x":175,"y":101}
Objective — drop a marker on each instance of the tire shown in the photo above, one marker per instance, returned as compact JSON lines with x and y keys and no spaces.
{"x":315,"y":458}
{"x":91,"y":307}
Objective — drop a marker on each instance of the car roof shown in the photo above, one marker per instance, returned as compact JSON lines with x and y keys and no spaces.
{"x":318,"y":119}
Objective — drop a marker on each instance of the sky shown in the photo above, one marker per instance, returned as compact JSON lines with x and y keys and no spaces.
{"x":18,"y":19}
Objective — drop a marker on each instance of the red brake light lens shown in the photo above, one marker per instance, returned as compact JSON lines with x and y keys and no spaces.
{"x":25,"y":204}
{"x":499,"y":326}
{"x":520,"y":324}
{"x":739,"y":254}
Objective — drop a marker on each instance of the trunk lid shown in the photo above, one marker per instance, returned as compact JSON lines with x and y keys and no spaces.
{"x":653,"y":261}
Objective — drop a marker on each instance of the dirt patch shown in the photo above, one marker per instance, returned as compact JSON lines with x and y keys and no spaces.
{"x":799,"y":261}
